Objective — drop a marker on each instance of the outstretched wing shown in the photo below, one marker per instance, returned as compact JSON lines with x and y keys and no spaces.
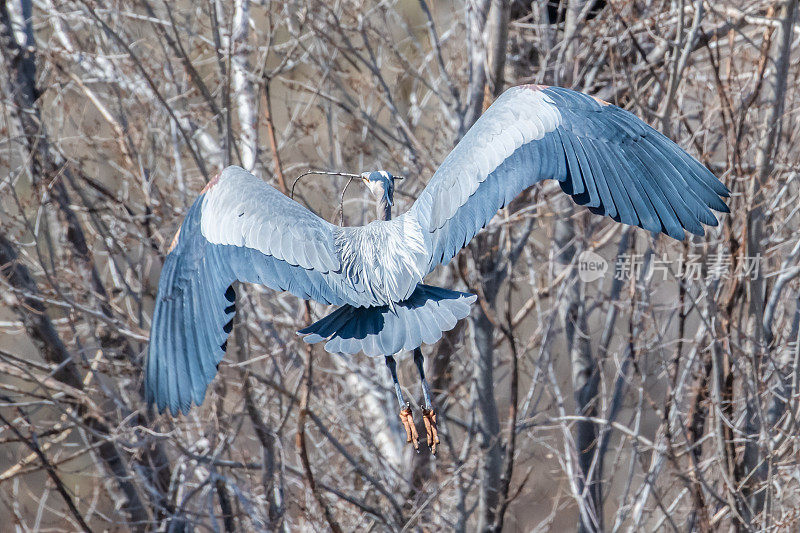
{"x":603,"y":156}
{"x":242,"y":229}
{"x":274,"y":240}
{"x":192,"y":318}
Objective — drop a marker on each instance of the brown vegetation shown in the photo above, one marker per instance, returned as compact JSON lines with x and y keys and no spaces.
{"x":666,"y":400}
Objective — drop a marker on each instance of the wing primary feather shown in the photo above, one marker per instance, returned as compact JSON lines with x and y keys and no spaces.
{"x":644,"y":208}
{"x":622,"y":194}
{"x":679,"y":201}
{"x":177,"y":371}
{"x":663,"y":210}
{"x":607,"y":200}
{"x":708,"y":194}
{"x":574,"y":180}
{"x":546,"y":154}
{"x":589,"y":177}
{"x":209,"y":306}
{"x":700,"y":172}
{"x":689,"y":194}
{"x":666,"y":181}
{"x":192,"y":351}
{"x":207,"y":347}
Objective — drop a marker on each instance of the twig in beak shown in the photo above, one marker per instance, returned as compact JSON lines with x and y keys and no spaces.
{"x":341,"y":200}
{"x":342,"y":174}
{"x":323,"y":173}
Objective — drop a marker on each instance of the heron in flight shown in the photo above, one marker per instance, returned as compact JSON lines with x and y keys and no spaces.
{"x":241,"y":228}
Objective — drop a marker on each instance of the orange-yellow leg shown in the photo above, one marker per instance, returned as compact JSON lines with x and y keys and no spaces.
{"x":428,"y":412}
{"x":406,"y":416}
{"x":429,"y":417}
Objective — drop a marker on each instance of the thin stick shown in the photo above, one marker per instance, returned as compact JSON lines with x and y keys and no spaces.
{"x":341,"y":198}
{"x":321,"y":172}
{"x":34,"y":446}
{"x":273,"y":141}
{"x":341,"y":201}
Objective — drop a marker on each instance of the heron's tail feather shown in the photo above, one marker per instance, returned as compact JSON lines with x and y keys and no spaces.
{"x":423,"y":317}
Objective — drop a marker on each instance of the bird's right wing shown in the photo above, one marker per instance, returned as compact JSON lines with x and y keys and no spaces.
{"x":603,"y":156}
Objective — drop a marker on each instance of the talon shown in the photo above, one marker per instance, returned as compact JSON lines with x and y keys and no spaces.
{"x":407,"y":418}
{"x":429,"y":417}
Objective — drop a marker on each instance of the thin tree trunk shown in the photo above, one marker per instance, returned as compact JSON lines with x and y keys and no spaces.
{"x":482,"y":331}
{"x":46,"y":166}
{"x":242,"y":86}
{"x":754,"y":465}
{"x":42,"y":332}
{"x":585,"y":370}
{"x":585,"y":381}
{"x":477,"y":12}
{"x":489,"y":422}
{"x":497,"y":32}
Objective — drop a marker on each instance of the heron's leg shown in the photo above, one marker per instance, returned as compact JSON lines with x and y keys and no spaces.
{"x":428,"y":413}
{"x":419,"y":360}
{"x":392,"y":365}
{"x":406,"y":417}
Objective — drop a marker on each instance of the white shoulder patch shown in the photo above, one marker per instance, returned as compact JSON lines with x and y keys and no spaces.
{"x":242,"y":210}
{"x":519,"y":116}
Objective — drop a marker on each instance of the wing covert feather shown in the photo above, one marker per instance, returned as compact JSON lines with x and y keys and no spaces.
{"x":242,"y":210}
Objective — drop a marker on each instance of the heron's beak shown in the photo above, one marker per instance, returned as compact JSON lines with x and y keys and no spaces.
{"x":377,"y":188}
{"x":369,"y":185}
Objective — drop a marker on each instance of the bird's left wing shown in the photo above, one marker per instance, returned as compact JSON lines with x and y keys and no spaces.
{"x":239,"y":228}
{"x":603,"y":156}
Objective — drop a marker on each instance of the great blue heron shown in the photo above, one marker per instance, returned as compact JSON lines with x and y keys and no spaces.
{"x":240,"y":228}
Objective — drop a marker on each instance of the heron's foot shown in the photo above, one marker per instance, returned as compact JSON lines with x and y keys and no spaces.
{"x":429,"y":417}
{"x":407,"y":418}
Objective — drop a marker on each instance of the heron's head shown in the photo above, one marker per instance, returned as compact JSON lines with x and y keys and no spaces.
{"x":380,"y":184}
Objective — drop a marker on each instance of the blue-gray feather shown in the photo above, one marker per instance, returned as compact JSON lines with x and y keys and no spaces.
{"x":189,"y":320}
{"x":242,"y":229}
{"x":385,"y":330}
{"x":603,"y":156}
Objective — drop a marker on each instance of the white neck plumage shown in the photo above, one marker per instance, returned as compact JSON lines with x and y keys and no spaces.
{"x":384,"y":199}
